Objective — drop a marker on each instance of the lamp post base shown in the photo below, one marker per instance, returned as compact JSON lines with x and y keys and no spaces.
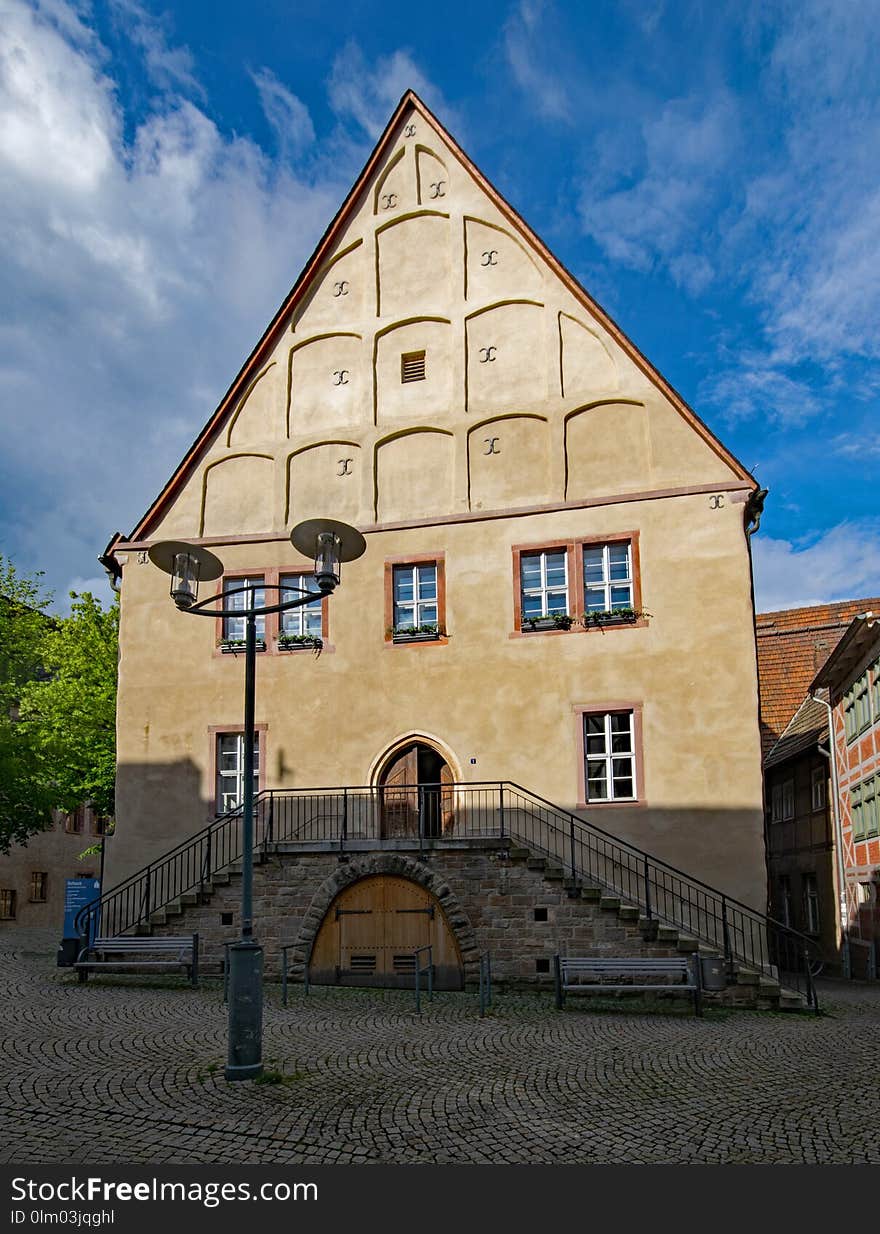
{"x":244,"y":1059}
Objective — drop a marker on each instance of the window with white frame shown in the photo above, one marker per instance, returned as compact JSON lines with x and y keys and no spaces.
{"x":610,"y":756}
{"x":414,"y":596}
{"x":608,"y":577}
{"x":811,"y":904}
{"x":867,"y":893}
{"x":788,"y":799}
{"x":817,"y":788}
{"x":544,"y":583}
{"x":248,"y":592}
{"x":304,"y":621}
{"x":230,"y":770}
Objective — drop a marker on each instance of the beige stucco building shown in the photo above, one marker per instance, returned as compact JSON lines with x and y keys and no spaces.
{"x":438,"y":379}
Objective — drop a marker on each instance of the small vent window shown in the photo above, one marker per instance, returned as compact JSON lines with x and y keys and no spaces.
{"x":412,"y":366}
{"x":405,"y":963}
{"x":363,"y":964}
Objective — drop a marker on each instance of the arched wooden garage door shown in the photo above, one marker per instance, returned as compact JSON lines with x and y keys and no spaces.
{"x":371,"y":931}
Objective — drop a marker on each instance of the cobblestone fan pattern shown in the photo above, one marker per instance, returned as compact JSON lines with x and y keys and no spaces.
{"x":129,"y":1069}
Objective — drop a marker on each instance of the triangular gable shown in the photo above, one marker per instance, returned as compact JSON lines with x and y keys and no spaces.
{"x":324,"y":250}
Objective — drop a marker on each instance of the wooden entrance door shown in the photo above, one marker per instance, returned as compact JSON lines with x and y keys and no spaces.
{"x":400,"y":795}
{"x":416,"y":794}
{"x":372,"y":930}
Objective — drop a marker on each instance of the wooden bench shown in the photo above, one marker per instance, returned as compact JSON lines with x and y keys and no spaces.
{"x":123,"y":953}
{"x":591,"y":975}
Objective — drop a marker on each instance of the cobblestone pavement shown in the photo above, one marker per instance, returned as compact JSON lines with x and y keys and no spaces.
{"x":131,"y":1070}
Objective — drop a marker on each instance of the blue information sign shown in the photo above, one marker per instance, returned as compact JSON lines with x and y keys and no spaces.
{"x":77,"y":894}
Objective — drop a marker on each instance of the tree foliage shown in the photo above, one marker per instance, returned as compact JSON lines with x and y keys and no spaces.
{"x":58,"y":699}
{"x":25,"y":798}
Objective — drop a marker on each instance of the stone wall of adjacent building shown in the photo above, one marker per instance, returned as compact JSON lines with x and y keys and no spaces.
{"x":55,"y":854}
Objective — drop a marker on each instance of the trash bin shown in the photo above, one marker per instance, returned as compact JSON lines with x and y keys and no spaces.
{"x":67,"y":952}
{"x":714,"y":976}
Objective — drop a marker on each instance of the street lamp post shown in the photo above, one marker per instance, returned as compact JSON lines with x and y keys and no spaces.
{"x":330,"y":543}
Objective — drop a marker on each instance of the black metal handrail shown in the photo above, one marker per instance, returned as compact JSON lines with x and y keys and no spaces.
{"x":425,"y":813}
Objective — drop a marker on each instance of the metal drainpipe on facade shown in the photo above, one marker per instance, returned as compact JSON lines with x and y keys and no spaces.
{"x":838,"y":841}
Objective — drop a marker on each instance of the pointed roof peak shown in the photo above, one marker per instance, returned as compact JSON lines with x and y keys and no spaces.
{"x":410,"y":100}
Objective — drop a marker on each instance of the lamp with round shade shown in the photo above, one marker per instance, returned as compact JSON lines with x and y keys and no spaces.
{"x":188,"y":565}
{"x":330,"y":543}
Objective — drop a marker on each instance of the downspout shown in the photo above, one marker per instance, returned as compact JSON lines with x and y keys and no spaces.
{"x":752,"y":512}
{"x":843,"y":914}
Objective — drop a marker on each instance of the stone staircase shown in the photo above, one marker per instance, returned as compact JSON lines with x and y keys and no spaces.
{"x":746,"y":988}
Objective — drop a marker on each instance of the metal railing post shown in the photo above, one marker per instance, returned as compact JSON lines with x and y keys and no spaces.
{"x":725,"y":932}
{"x":270,"y":835}
{"x":420,"y":807}
{"x":501,"y":810}
{"x":571,"y":848}
{"x":647,"y":877}
{"x":343,"y":831}
{"x":812,"y":998}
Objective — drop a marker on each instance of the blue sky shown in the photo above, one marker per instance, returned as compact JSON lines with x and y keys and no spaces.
{"x":709,"y":171}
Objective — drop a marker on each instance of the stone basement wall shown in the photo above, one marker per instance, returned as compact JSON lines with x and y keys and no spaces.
{"x":489,"y":902}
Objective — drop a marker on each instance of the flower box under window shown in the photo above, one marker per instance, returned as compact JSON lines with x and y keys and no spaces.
{"x":556,"y":621}
{"x":234,"y":645}
{"x":611,"y":617}
{"x":299,"y":642}
{"x":416,"y":634}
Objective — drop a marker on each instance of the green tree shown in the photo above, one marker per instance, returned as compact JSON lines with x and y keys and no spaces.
{"x":69,"y":711}
{"x":25,"y":797}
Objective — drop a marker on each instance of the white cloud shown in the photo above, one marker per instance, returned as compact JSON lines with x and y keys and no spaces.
{"x":755,"y":389}
{"x":857,"y":445}
{"x":843,"y":563}
{"x":542,"y":83}
{"x":287,"y":114}
{"x":659,"y":211}
{"x":167,"y":66}
{"x":138,"y":274}
{"x":817,"y":213}
{"x":369,"y":95}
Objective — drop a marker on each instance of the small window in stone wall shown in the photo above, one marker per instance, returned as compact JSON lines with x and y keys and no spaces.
{"x":7,"y":904}
{"x":412,"y":366}
{"x":540,"y":914}
{"x":542,"y":966}
{"x":39,"y":879}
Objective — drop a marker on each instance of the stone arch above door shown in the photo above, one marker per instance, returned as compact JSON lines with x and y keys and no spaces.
{"x":383,"y":760}
{"x":401,"y":866}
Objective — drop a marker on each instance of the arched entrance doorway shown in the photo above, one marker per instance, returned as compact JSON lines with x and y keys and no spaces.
{"x":371,"y":931}
{"x":415,"y":792}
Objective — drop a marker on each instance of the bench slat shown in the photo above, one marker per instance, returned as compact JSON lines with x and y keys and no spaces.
{"x":179,"y":951}
{"x":622,"y":974}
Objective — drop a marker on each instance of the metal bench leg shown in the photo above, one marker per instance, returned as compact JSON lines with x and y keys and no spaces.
{"x":698,"y":984}
{"x":557,"y":980}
